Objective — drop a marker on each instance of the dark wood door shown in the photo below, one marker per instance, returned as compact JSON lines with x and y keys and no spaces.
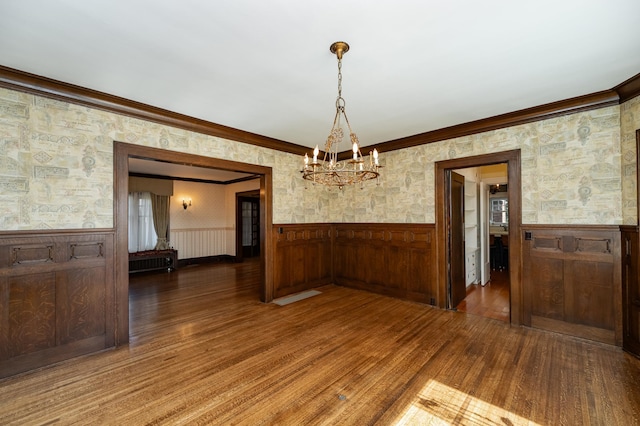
{"x":250,"y":226}
{"x":456,"y":256}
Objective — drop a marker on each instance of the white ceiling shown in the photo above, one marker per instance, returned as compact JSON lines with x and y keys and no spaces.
{"x":265,"y":66}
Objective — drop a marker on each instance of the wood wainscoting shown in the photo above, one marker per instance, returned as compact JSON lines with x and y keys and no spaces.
{"x":391,"y":259}
{"x":56,"y":297}
{"x":572,"y":280}
{"x":302,"y":257}
{"x":630,"y":289}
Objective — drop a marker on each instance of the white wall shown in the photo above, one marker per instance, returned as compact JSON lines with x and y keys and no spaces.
{"x":207,"y":227}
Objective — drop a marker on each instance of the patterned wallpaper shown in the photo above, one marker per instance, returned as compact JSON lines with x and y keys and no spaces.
{"x":629,"y":123}
{"x":571,"y":173}
{"x":56,"y":168}
{"x":56,"y":161}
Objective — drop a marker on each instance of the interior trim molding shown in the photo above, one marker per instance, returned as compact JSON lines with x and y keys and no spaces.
{"x":183,"y":179}
{"x":42,"y":86}
{"x":555,"y":109}
{"x":628,"y":89}
{"x":513,"y":160}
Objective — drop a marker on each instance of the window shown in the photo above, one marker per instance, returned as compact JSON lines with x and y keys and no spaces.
{"x":142,"y":235}
{"x":499,"y":214}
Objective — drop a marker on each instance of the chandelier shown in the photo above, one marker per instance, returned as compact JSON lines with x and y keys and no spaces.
{"x":330,"y":171}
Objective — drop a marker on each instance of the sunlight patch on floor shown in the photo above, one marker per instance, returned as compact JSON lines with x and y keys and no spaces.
{"x":439,"y":404}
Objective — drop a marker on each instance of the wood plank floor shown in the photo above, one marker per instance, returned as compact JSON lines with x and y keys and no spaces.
{"x":204,"y":350}
{"x":490,"y":300}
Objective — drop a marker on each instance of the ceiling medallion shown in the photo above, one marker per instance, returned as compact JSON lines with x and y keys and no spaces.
{"x":330,"y":171}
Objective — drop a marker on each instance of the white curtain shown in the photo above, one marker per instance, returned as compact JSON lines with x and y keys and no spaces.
{"x":142,"y":235}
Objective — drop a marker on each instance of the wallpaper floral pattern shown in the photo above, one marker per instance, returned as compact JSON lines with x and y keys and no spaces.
{"x":56,"y":168}
{"x":629,"y":123}
{"x":571,"y":173}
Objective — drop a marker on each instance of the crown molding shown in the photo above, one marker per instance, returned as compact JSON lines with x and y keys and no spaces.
{"x":42,"y":86}
{"x":628,"y":89}
{"x":528,"y":115}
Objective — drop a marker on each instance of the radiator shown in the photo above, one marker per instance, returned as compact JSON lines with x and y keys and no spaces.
{"x":152,"y":260}
{"x":202,"y":242}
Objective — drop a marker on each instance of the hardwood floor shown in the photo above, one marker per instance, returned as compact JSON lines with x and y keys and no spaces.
{"x":204,"y":350}
{"x":490,"y":300}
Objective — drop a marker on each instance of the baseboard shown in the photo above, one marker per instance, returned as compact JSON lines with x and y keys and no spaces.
{"x":223,"y":258}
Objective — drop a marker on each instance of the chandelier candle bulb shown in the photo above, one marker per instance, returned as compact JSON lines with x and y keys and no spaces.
{"x":375,"y":156}
{"x":316,"y":151}
{"x":355,"y":151}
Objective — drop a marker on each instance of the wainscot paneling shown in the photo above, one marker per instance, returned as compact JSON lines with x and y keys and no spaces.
{"x":572,"y":281}
{"x":201,"y":242}
{"x":302,"y":257}
{"x":391,"y":259}
{"x":630,"y":289}
{"x":56,"y":297}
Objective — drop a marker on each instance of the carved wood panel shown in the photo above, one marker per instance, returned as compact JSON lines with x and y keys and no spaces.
{"x":548,"y":298}
{"x":80,"y":304}
{"x":56,"y":297}
{"x":31,"y":307}
{"x":572,"y":281}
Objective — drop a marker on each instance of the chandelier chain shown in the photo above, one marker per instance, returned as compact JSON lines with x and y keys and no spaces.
{"x":340,"y":80}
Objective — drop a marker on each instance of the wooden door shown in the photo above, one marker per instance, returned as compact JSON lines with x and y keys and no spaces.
{"x":250,"y":226}
{"x":456,"y":255}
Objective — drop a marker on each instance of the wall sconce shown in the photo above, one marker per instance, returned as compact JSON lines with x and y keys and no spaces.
{"x":185,"y":205}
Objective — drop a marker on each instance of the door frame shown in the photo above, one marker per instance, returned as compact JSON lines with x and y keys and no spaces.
{"x":122,"y":153}
{"x":513,"y":160}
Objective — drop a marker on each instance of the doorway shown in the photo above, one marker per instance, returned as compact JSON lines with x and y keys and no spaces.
{"x":484,"y":287}
{"x":122,"y":153}
{"x":247,"y":224}
{"x":444,"y":223}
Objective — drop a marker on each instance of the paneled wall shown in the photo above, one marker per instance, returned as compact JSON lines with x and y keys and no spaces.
{"x":201,"y":242}
{"x":392,"y":259}
{"x":302,"y":256}
{"x":631,"y":289}
{"x":572,"y":281}
{"x":56,"y":297}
